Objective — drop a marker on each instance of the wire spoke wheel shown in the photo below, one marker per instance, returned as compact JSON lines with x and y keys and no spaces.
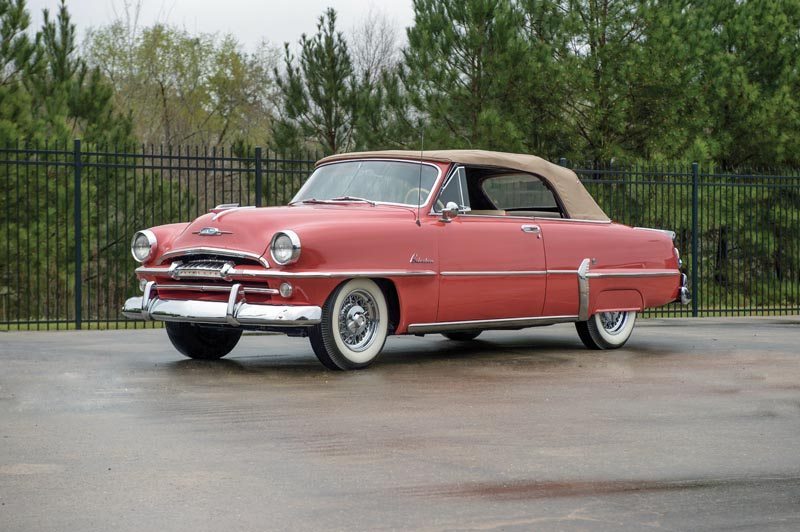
{"x":354,"y":326}
{"x":613,"y":322}
{"x":607,"y":330}
{"x":358,"y":320}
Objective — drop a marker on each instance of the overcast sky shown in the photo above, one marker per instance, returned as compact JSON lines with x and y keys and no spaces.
{"x":250,"y":21}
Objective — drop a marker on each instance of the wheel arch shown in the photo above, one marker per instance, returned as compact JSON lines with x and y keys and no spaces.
{"x":389,"y":290}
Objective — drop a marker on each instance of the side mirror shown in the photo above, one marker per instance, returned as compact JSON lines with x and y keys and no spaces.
{"x":450,"y":211}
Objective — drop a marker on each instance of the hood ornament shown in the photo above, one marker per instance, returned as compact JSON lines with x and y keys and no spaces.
{"x":211,"y":231}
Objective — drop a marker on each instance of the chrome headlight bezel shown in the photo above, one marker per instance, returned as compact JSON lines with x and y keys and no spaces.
{"x":151,"y":242}
{"x":294,"y":240}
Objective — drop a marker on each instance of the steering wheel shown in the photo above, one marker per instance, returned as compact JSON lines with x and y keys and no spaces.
{"x":417,"y":194}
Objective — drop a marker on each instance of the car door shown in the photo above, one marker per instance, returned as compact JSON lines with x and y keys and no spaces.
{"x":491,"y":266}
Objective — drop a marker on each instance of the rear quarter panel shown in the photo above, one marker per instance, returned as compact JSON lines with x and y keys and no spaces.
{"x":630,"y":269}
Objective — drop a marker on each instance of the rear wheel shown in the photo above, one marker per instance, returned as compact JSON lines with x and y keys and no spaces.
{"x":354,"y":326}
{"x":606,"y":330}
{"x":463,"y":336}
{"x":200,"y":342}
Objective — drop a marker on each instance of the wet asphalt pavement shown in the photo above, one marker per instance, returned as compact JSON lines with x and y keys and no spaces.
{"x":695,"y":425}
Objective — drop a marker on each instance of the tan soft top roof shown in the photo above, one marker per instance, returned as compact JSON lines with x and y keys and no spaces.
{"x":576,"y":200}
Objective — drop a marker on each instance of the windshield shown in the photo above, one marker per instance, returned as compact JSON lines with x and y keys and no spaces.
{"x":407,"y":183}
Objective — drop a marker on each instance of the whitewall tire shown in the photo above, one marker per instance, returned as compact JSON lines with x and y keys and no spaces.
{"x":607,"y":330}
{"x":354,"y":326}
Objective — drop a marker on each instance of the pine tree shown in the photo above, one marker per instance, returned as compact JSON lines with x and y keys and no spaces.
{"x":316,"y":97}
{"x":19,"y":56}
{"x":70,"y":99}
{"x":462,"y":71}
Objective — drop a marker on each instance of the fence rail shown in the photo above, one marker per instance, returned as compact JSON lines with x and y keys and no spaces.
{"x":68,"y":212}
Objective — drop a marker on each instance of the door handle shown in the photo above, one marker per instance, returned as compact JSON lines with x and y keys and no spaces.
{"x":535,"y":229}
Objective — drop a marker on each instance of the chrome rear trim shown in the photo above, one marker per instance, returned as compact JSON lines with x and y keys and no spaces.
{"x":667,"y":232}
{"x":685,"y":296}
{"x":643,"y":273}
{"x":583,"y":290}
{"x":506,"y":323}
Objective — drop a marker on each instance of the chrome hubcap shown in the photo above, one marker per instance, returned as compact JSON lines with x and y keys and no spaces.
{"x":358,"y":320}
{"x":613,"y":322}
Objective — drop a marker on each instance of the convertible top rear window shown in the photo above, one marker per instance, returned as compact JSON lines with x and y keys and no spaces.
{"x":382,"y":181}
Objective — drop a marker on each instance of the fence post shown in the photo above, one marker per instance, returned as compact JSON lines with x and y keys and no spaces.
{"x":258,"y":176}
{"x":695,"y":276}
{"x":76,"y":162}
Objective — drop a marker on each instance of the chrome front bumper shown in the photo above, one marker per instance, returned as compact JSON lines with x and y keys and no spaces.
{"x":233,"y":312}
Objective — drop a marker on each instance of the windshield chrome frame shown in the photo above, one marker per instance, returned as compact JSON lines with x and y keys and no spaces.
{"x":434,"y":188}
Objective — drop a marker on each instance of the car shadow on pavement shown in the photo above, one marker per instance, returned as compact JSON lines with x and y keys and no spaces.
{"x":507,"y":351}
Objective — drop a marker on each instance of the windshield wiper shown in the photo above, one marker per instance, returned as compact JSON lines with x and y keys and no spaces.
{"x":353,"y":198}
{"x":311,"y":200}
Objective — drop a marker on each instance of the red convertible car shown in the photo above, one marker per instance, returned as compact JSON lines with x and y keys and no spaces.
{"x":396,"y":242}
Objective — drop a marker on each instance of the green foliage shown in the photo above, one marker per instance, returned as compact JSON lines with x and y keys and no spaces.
{"x":47,"y":89}
{"x":180,"y":88}
{"x":316,"y":97}
{"x":596,"y":81}
{"x":462,"y":70}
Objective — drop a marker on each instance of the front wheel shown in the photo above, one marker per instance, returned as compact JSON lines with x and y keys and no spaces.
{"x":606,"y":330}
{"x":355,"y":321}
{"x":204,"y":343}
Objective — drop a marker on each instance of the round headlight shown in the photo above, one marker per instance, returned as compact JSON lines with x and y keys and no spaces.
{"x":285,"y":247}
{"x":143,"y":245}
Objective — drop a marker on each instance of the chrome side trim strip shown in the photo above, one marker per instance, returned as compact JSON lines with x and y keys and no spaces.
{"x":583,"y":290}
{"x":212,"y":251}
{"x":511,"y":273}
{"x":579,"y":220}
{"x":252,"y":274}
{"x":643,"y":273}
{"x":255,"y":274}
{"x":505,"y":323}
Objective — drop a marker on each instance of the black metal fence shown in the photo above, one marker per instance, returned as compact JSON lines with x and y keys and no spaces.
{"x":738,"y":232}
{"x":68,"y":213}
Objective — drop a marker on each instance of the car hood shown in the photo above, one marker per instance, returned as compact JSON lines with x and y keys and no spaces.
{"x":250,"y":230}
